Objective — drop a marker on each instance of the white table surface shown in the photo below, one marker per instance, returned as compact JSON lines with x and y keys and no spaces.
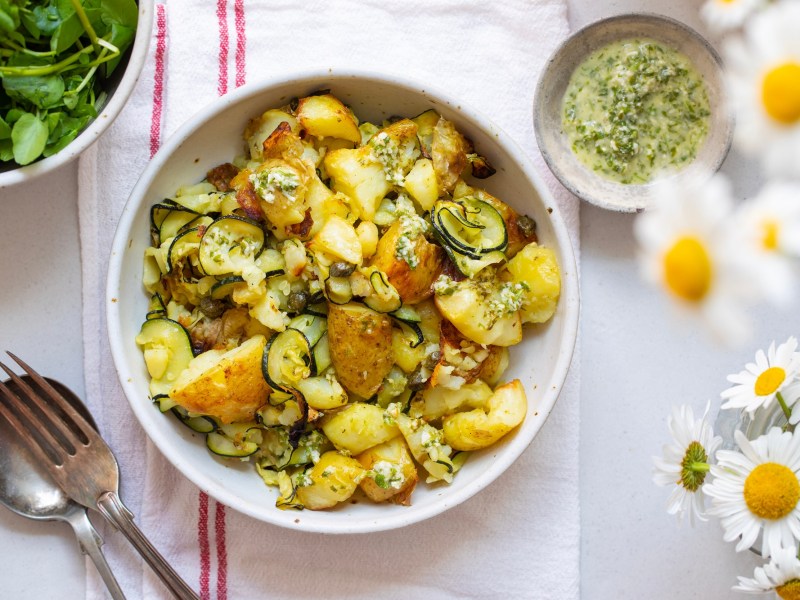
{"x":636,"y":361}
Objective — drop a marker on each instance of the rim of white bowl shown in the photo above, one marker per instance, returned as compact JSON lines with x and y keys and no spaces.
{"x":570,"y":297}
{"x":112,"y":108}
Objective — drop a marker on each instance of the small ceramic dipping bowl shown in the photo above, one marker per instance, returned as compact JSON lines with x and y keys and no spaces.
{"x":548,"y":106}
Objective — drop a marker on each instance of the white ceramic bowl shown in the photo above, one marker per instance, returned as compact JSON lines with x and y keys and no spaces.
{"x":213,"y":136}
{"x":549,"y":98}
{"x":119,"y":88}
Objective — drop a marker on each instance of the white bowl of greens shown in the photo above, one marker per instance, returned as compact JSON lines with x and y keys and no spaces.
{"x":66,"y":73}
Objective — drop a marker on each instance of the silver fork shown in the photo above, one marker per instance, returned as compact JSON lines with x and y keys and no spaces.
{"x":79,"y":461}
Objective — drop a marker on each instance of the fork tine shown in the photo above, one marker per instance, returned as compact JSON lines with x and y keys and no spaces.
{"x":24,"y":432}
{"x":84,"y":426}
{"x":47,"y":423}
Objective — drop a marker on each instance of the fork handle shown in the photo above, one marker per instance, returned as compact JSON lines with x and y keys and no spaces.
{"x":112,"y":508}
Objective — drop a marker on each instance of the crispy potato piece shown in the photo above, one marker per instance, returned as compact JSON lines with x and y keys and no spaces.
{"x":359,"y":177}
{"x":468,"y":311}
{"x":392,"y":456}
{"x":333,"y":480}
{"x":413,"y":285}
{"x":326,"y":116}
{"x":480,"y":428}
{"x":260,"y":128}
{"x":538,"y":268}
{"x":422,"y":184}
{"x":358,"y":427}
{"x":226,"y":385}
{"x":361,"y":347}
{"x":449,"y":154}
{"x":339,"y":239}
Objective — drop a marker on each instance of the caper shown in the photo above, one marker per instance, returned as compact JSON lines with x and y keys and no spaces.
{"x":432,"y":359}
{"x":526,"y":225}
{"x":211,"y":308}
{"x":297,"y":301}
{"x":341,"y":269}
{"x":418,"y":379}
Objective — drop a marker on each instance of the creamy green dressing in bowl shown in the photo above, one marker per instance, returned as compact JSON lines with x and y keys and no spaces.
{"x":634,"y":109}
{"x":627,"y":101}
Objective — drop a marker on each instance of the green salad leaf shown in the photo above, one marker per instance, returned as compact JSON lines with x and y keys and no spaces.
{"x":54,"y":57}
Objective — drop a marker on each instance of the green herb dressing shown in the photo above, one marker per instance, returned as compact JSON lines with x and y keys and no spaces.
{"x":635,"y":108}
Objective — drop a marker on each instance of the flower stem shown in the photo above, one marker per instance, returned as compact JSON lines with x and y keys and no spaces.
{"x":786,"y":410}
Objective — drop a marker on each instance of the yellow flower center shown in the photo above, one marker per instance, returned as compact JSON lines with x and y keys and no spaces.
{"x":771,"y":491}
{"x":789,"y":590}
{"x":769,"y":381}
{"x":687,"y":269}
{"x":771,"y":231}
{"x":780,"y":93}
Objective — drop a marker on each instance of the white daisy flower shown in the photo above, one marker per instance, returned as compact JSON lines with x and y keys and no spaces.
{"x":771,"y":220}
{"x":770,"y":225}
{"x":772,"y":374}
{"x":763,"y":73}
{"x":758,"y":489}
{"x":724,"y":15}
{"x":684,"y":464}
{"x":687,"y":247}
{"x":781,"y":575}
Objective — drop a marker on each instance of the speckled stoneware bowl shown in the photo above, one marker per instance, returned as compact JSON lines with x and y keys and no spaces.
{"x":548,"y":106}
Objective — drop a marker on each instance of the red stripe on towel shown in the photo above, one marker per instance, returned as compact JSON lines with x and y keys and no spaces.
{"x":222,"y":553}
{"x":222,"y":18}
{"x":158,"y":79}
{"x":241,"y":42}
{"x":202,"y":540}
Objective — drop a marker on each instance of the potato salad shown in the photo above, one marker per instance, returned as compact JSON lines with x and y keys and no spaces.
{"x":337,"y":304}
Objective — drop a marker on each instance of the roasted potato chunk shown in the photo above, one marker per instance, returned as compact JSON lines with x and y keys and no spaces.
{"x":413,"y":284}
{"x":449,"y":154}
{"x":422,"y":184}
{"x":339,"y":239}
{"x":391,"y":474}
{"x":361,"y":347}
{"x":482,"y":427}
{"x":333,"y":479}
{"x":326,"y":116}
{"x":469,"y":309}
{"x":226,"y":385}
{"x":358,"y":427}
{"x":355,"y":174}
{"x":537,"y":267}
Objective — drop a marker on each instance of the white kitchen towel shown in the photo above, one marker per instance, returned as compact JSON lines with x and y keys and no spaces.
{"x":517,"y":539}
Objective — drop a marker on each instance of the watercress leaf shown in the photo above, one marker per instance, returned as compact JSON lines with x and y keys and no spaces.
{"x":5,"y":130}
{"x":9,"y":16}
{"x":42,"y":91}
{"x":6,"y":150}
{"x":52,"y":119}
{"x":60,"y":144}
{"x":13,"y":115}
{"x":43,"y":18}
{"x":67,"y":34}
{"x":122,"y":12}
{"x":29,"y":136}
{"x":122,"y":37}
